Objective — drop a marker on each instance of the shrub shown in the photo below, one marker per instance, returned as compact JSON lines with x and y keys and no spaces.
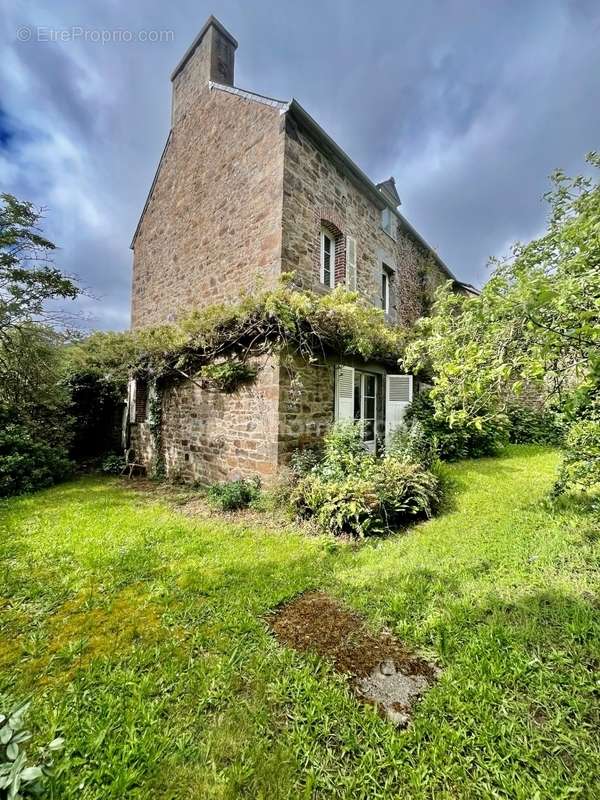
{"x":304,"y":460}
{"x":16,"y":778}
{"x":530,"y":425}
{"x":234,"y":495}
{"x":27,"y":462}
{"x":581,"y":463}
{"x":411,"y":444}
{"x":387,"y":493}
{"x":352,"y":491}
{"x":113,"y":464}
{"x":457,"y":441}
{"x":344,"y":453}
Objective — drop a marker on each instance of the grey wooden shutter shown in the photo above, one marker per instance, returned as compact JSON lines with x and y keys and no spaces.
{"x":398,"y":396}
{"x":344,"y":393}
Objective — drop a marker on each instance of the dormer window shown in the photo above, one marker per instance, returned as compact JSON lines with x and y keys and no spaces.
{"x":327,"y":258}
{"x":388,"y":222}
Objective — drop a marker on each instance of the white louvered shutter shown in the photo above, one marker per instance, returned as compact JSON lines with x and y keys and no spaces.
{"x":398,"y":396}
{"x":131,"y":393}
{"x":344,"y":393}
{"x":351,"y":263}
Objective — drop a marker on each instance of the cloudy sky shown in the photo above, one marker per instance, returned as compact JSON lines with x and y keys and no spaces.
{"x":469,"y":104}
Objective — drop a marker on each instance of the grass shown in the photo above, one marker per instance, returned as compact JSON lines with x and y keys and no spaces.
{"x":138,"y":633}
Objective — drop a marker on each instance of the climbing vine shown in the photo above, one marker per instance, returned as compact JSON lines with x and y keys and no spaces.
{"x":155,"y":414}
{"x":218,"y":346}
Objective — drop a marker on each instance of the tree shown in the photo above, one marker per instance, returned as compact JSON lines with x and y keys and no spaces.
{"x":28,"y":279}
{"x":536,"y":321}
{"x":34,"y":421}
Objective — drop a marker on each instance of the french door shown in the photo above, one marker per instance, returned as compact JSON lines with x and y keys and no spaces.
{"x":366,"y":395}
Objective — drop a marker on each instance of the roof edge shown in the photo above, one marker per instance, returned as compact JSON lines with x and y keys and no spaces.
{"x":152,"y":185}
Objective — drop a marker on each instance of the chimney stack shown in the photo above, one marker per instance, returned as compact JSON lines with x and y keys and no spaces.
{"x":210,"y":57}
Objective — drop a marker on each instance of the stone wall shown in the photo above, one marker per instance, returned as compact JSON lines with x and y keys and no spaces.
{"x":212,"y":226}
{"x":315,"y":190}
{"x":306,"y":403}
{"x":211,"y":436}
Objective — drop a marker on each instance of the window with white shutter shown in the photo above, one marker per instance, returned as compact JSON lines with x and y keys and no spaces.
{"x":351,"y":263}
{"x":344,"y":393}
{"x":398,"y":396}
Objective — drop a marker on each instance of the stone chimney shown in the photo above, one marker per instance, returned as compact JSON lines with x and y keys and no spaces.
{"x":211,"y":57}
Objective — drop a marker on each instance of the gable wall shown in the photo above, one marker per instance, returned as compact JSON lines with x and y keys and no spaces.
{"x":212,"y":226}
{"x":315,"y":189}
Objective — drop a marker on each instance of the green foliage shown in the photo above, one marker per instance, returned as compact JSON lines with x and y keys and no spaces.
{"x":343,"y":452}
{"x":27,"y":278}
{"x":533,"y":425}
{"x":16,"y":778}
{"x":459,"y":440}
{"x":353,"y":491}
{"x":219,"y":342}
{"x":155,"y":414}
{"x":581,"y":465}
{"x":410,"y":443}
{"x":227,"y":375}
{"x":535,"y":322}
{"x":304,"y":459}
{"x":384,"y":495}
{"x":234,"y":495}
{"x":28,"y":461}
{"x":113,"y":464}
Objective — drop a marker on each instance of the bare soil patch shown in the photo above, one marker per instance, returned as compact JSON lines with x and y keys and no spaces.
{"x":381,"y":670}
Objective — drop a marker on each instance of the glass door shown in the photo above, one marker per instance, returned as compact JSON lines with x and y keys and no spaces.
{"x":365,"y":406}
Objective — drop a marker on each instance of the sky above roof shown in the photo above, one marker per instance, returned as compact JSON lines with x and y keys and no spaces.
{"x":469,"y":105}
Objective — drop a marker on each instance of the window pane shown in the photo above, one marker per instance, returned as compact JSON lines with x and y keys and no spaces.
{"x":370,"y":386}
{"x":369,"y":408}
{"x":368,"y":430}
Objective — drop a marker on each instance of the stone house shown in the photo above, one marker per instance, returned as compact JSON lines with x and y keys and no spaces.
{"x":248,"y":188}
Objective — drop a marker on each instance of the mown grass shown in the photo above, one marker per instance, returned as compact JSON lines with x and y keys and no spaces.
{"x":138,"y":633}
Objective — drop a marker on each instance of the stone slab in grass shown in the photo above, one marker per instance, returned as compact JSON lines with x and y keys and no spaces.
{"x":381,"y":670}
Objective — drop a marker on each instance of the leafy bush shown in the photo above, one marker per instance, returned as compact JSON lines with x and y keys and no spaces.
{"x":304,"y":460}
{"x":411,"y":444}
{"x":386,"y":494}
{"x":459,"y":440}
{"x":234,"y":495}
{"x":581,"y":462}
{"x":27,"y":462}
{"x":344,"y":453}
{"x":16,"y":778}
{"x":352,"y":491}
{"x":113,"y":464}
{"x":530,"y":425}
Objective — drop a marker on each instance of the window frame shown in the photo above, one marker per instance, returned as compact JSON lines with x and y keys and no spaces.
{"x":361,"y":378}
{"x":386,"y":277}
{"x":327,"y":234}
{"x":390,"y":227}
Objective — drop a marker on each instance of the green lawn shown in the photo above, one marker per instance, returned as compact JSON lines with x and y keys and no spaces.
{"x":138,"y":633}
